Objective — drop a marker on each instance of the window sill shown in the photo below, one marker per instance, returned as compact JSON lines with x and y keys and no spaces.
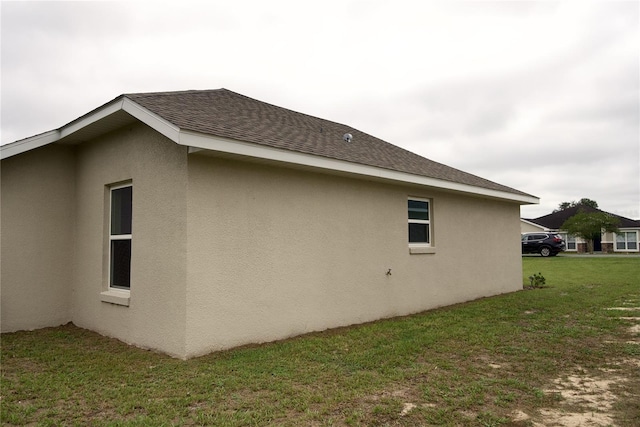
{"x":422,"y":250}
{"x":114,"y":296}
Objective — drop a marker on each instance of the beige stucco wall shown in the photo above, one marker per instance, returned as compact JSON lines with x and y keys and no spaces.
{"x":228,"y":252}
{"x":275,"y":252}
{"x":157,"y":168}
{"x":529,"y":228}
{"x":36,"y":238}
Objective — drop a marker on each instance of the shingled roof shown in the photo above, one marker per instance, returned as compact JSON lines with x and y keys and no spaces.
{"x":554,"y":221}
{"x":227,"y":114}
{"x":220,"y":120}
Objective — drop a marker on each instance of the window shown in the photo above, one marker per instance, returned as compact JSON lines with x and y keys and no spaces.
{"x":419,"y":222}
{"x":570,"y":240}
{"x":121,"y":198}
{"x":534,"y":237}
{"x":627,"y":241}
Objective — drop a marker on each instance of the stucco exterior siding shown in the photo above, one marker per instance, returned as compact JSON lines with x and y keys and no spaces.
{"x":229,"y":252}
{"x":248,"y":223}
{"x":275,"y":252}
{"x":156,"y":167}
{"x":529,"y":228}
{"x":37,"y":235}
{"x":480,"y":257}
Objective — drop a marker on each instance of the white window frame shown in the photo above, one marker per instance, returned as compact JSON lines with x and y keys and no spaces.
{"x":115,"y":295}
{"x":626,"y":241}
{"x":113,"y":237}
{"x":422,"y":247}
{"x":566,"y":236}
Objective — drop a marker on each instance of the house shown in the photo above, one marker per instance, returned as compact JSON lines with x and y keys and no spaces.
{"x":190,"y":222}
{"x":624,"y":241}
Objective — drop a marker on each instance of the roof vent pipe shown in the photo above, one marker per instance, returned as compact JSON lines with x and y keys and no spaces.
{"x":347,"y":137}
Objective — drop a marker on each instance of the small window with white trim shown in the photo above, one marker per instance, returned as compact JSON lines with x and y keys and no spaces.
{"x":570,"y":240}
{"x":419,"y":216}
{"x":627,"y":241}
{"x":120,"y":236}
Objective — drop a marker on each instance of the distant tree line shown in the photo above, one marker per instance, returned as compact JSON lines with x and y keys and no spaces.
{"x":583,"y":202}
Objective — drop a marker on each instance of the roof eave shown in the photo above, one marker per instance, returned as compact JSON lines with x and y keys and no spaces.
{"x":198,"y":142}
{"x":27,"y":144}
{"x":101,"y":113}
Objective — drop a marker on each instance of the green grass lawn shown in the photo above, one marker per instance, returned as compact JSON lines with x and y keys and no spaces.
{"x":470,"y":364}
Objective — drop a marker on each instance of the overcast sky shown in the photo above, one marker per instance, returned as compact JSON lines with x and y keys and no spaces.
{"x":541,"y":96}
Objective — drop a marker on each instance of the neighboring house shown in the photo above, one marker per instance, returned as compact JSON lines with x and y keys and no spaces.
{"x":625,"y":240}
{"x":189,"y":222}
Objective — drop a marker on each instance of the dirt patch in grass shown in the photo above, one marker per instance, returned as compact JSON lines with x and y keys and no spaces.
{"x":588,"y":399}
{"x":596,"y":397}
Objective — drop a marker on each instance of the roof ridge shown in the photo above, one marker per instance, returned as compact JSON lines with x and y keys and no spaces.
{"x":169,"y":93}
{"x":240,"y":95}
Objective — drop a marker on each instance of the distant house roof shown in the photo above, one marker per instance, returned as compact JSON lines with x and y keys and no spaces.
{"x":211,"y":119}
{"x":554,"y":221}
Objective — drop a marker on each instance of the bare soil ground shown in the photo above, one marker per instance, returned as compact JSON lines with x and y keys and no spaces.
{"x":590,"y":397}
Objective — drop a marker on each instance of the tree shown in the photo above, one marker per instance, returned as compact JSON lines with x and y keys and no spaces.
{"x":583,"y":202}
{"x":590,"y":225}
{"x":562,"y":206}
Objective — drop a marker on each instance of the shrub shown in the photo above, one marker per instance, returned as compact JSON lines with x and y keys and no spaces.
{"x":537,"y":281}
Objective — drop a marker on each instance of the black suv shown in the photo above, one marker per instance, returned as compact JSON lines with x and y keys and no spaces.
{"x":543,"y":243}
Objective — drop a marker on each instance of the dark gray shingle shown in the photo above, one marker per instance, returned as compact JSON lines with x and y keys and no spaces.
{"x":224,"y":113}
{"x":555,"y":220}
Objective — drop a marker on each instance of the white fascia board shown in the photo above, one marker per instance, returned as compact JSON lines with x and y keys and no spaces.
{"x":198,"y":142}
{"x":24,"y":145}
{"x":152,"y":120}
{"x":41,"y":140}
{"x":125,"y":104}
{"x":85,"y":121}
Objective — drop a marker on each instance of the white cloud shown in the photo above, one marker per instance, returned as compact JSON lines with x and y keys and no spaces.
{"x":493,"y":88}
